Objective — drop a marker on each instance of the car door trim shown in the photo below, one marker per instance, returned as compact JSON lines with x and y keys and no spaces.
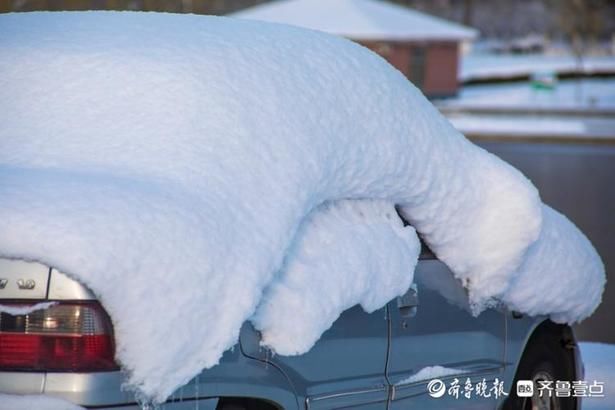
{"x":328,"y":396}
{"x":491,"y":372}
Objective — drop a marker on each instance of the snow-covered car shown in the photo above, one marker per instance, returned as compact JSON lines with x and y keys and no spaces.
{"x":212,"y":212}
{"x":58,"y":341}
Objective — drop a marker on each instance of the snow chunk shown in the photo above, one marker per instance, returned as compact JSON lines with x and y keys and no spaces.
{"x":160,"y":157}
{"x":562,"y":275}
{"x":346,"y":253}
{"x":34,"y":401}
{"x":430,"y":372}
{"x":461,"y":207}
{"x":24,"y":310}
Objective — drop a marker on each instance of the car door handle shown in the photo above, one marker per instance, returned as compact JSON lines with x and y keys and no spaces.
{"x":409,"y":302}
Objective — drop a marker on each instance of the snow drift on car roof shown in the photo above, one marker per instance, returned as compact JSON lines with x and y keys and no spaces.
{"x":187,"y":167}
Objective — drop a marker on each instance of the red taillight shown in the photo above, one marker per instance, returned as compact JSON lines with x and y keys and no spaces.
{"x":69,"y":336}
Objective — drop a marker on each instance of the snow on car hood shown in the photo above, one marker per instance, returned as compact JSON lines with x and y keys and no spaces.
{"x":178,"y":164}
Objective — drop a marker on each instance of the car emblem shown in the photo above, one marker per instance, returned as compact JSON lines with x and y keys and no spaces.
{"x":26,"y":284}
{"x":3,"y":283}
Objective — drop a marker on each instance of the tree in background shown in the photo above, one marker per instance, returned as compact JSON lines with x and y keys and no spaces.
{"x":580,"y":22}
{"x":175,"y":6}
{"x":468,"y":6}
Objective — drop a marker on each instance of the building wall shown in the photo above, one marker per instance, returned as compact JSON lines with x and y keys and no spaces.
{"x":430,"y":65}
{"x":442,"y":68}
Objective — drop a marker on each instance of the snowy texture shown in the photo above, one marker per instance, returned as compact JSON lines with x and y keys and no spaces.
{"x":34,"y":401}
{"x":310,"y":290}
{"x":24,"y":310}
{"x":562,"y":275}
{"x":359,"y":19}
{"x":599,"y":362}
{"x":430,"y":372}
{"x":161,"y":157}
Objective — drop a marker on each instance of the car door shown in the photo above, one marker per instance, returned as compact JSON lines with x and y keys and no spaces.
{"x":432,"y":325}
{"x":346,"y":367}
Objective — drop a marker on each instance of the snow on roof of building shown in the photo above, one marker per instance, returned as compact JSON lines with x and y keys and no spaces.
{"x":359,"y":19}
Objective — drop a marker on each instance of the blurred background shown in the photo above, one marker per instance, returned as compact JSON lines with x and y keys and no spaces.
{"x":532,"y":81}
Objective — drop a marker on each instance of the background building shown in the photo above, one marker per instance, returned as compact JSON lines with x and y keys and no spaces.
{"x":424,"y":48}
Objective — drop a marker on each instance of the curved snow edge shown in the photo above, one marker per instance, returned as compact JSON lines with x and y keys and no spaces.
{"x":328,"y":271}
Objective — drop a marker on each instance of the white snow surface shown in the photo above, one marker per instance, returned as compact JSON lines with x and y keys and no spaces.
{"x":34,"y":401}
{"x":306,"y":286}
{"x":184,"y":166}
{"x":429,"y":373}
{"x":24,"y":310}
{"x":559,"y":273}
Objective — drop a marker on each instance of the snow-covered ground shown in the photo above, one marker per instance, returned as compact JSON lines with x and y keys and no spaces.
{"x":586,"y":93}
{"x":211,"y":166}
{"x":599,"y":359}
{"x":573,"y":109}
{"x":535,"y":127}
{"x":477,"y":66}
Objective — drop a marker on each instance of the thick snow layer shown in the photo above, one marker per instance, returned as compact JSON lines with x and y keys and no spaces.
{"x":431,"y":372}
{"x":176,"y":163}
{"x":307,"y":286}
{"x":34,"y":401}
{"x":560,"y":274}
{"x":24,"y":310}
